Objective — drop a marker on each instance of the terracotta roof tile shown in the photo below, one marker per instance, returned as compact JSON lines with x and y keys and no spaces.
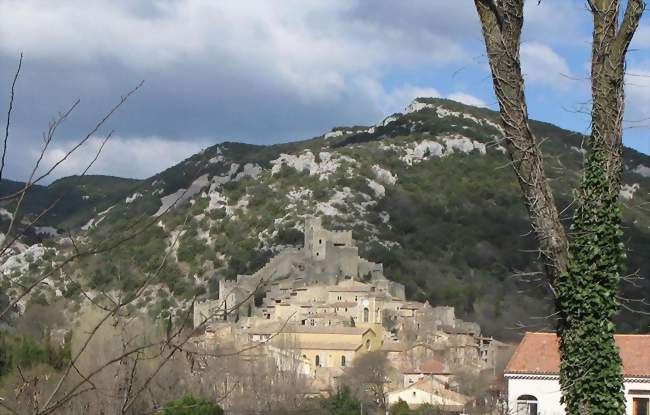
{"x":430,"y":367}
{"x":538,"y":354}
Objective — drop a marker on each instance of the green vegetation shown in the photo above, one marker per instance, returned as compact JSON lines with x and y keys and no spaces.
{"x":342,"y":402}
{"x":25,"y":351}
{"x":586,"y":296}
{"x":401,"y":408}
{"x":457,"y":232}
{"x":188,"y":405}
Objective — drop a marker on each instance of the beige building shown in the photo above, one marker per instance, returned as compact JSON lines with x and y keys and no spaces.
{"x":329,"y":347}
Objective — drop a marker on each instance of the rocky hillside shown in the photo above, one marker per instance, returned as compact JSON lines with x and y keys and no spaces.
{"x":428,"y":192}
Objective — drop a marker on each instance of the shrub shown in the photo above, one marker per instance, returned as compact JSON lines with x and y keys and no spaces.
{"x":399,"y":408}
{"x":188,"y":405}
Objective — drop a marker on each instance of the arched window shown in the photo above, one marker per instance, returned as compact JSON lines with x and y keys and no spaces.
{"x":526,"y":405}
{"x":317,"y":361}
{"x":366,"y":314}
{"x":368,"y":345}
{"x":342,"y":360}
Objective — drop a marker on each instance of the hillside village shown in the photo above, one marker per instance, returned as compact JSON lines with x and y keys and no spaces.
{"x":288,"y":265}
{"x":325,"y":306}
{"x":325,"y":207}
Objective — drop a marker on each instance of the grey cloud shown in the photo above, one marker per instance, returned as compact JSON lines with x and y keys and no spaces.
{"x":249,"y":71}
{"x":255,"y":71}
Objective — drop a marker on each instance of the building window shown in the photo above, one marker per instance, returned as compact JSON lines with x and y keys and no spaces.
{"x":317,"y":361}
{"x":343,"y":361}
{"x":368,"y":345}
{"x":320,"y":241}
{"x":366,"y":313}
{"x":413,"y":393}
{"x":640,"y":406}
{"x":526,"y":405}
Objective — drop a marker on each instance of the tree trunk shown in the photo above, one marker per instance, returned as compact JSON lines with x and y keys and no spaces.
{"x":585,"y":273}
{"x":502,"y":30}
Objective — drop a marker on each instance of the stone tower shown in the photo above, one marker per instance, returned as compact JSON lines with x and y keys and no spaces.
{"x":317,"y":239}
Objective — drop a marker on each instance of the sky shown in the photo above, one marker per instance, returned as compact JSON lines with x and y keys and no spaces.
{"x":264,"y":72}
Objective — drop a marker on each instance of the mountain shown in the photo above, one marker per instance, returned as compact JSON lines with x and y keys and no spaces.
{"x":67,"y":203}
{"x":428,"y":192}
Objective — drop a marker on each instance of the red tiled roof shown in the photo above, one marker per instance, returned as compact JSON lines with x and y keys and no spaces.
{"x":430,"y":367}
{"x":538,"y":353}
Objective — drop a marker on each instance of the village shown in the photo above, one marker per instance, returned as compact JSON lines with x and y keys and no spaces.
{"x":317,"y":310}
{"x":324,"y":306}
{"x":325,"y":207}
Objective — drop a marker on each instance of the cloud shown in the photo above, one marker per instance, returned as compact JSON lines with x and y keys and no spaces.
{"x":258,"y":71}
{"x":397,"y":99}
{"x":137,"y":157}
{"x":557,"y":22}
{"x":637,"y":94}
{"x":310,"y":46}
{"x":641,"y":37}
{"x":542,"y":65}
{"x":467,"y":99}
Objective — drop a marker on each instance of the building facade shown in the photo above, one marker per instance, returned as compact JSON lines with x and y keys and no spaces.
{"x":532,"y":375}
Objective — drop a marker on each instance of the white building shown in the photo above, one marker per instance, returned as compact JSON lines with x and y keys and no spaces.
{"x":532,"y":375}
{"x":430,"y":369}
{"x":429,"y":391}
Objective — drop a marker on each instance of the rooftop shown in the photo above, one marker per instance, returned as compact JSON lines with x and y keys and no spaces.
{"x":448,"y":395}
{"x":538,"y":353}
{"x":349,"y":345}
{"x":352,"y":289}
{"x":429,"y":367}
{"x":343,"y":304}
{"x":291,"y":328}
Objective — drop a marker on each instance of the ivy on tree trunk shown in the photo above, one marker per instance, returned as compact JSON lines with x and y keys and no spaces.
{"x":584,"y":268}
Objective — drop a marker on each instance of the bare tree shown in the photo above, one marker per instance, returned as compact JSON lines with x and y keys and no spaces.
{"x":46,"y":391}
{"x":368,"y":378}
{"x":122,"y":362}
{"x":583,"y":269}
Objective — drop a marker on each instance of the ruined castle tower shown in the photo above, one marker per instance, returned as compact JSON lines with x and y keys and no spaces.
{"x":317,"y":239}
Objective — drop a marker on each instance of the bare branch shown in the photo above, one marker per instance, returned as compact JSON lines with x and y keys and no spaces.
{"x":11,"y":105}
